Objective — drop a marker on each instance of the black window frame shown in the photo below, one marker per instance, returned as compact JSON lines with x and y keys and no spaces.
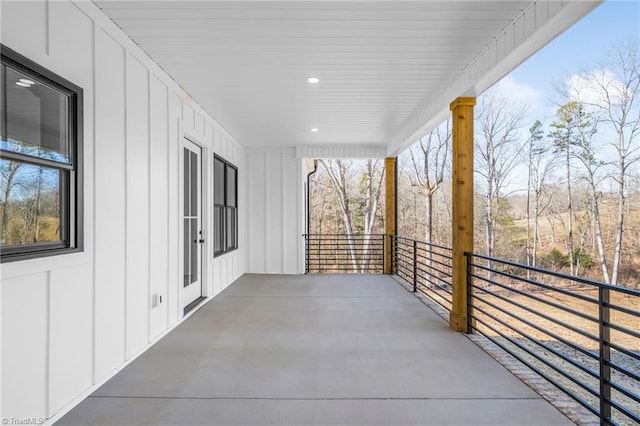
{"x":220,"y":229}
{"x":71,"y":190}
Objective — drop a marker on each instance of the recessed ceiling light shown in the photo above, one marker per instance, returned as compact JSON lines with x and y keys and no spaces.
{"x":314,"y":129}
{"x":21,"y":84}
{"x":313,"y":80}
{"x":26,"y":81}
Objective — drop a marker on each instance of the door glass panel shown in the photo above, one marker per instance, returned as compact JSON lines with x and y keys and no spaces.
{"x":194,"y":184}
{"x":186,"y":180}
{"x":194,"y":250}
{"x":187,"y":251}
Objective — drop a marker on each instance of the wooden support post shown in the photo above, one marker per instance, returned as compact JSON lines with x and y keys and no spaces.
{"x":462,"y":208}
{"x":390,"y":198}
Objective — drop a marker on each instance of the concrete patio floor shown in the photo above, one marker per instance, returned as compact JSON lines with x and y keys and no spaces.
{"x":314,"y":350}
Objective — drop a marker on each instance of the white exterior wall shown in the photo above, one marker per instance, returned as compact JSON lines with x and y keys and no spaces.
{"x":275,"y":202}
{"x":70,"y":322}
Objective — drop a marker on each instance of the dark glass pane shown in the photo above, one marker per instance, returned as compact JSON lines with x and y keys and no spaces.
{"x":194,"y":184}
{"x":194,"y":250}
{"x":30,"y":205}
{"x":186,"y":181}
{"x":231,"y":232}
{"x":187,"y":251}
{"x":217,"y":229}
{"x":231,"y":186}
{"x":37,"y":118}
{"x":218,"y":181}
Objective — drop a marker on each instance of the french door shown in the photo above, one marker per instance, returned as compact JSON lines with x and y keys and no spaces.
{"x":192,"y":223}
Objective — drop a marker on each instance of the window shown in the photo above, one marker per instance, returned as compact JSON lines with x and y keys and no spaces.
{"x":225,"y":206}
{"x":40,"y":161}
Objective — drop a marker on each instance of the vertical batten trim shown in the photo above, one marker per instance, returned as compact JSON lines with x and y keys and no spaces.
{"x":283,"y":219}
{"x":167,"y":143}
{"x":126,"y":206}
{"x":47,"y":31}
{"x":180,"y":215}
{"x":47,"y":385}
{"x":149,"y":165}
{"x":95,"y":201}
{"x":266,"y":211}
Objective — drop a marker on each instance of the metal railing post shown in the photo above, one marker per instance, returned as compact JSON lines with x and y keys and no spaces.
{"x":469,"y":295}
{"x":415,"y":266}
{"x":604,"y":337}
{"x":306,"y":249}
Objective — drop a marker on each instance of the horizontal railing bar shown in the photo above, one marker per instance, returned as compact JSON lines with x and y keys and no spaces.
{"x":531,"y":296}
{"x":535,"y":355}
{"x":538,"y":284}
{"x":623,"y":410}
{"x":345,"y":235}
{"x":626,"y":392}
{"x":436,"y":289}
{"x":623,"y":350}
{"x":419,"y":262}
{"x":560,"y":386}
{"x":624,"y":370}
{"x":345,"y":246}
{"x":427,"y":291}
{"x":423,"y":253}
{"x":446,"y":274}
{"x":540,"y":314}
{"x":424,"y":242}
{"x":436,"y":284}
{"x":574,"y":278}
{"x":543,"y":345}
{"x":622,"y":309}
{"x":541,"y":329}
{"x":622,"y":329}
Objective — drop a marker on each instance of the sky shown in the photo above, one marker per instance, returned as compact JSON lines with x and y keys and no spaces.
{"x":572,"y":51}
{"x":582,"y":45}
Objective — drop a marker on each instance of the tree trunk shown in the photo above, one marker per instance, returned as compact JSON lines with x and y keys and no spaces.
{"x":570,"y":210}
{"x":11,"y":172}
{"x":429,"y":228}
{"x":619,"y":224}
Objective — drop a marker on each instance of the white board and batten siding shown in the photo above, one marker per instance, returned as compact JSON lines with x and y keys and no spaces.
{"x":69,"y":322}
{"x":275,"y":224}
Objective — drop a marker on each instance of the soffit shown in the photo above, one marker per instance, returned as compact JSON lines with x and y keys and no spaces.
{"x":380,"y":62}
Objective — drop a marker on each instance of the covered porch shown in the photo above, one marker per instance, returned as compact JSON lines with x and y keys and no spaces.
{"x":314,"y":349}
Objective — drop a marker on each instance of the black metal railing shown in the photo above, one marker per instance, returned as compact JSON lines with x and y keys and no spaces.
{"x":425,"y":266}
{"x":581,"y":335}
{"x":340,"y":253}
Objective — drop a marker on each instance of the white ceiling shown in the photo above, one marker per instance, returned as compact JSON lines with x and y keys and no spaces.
{"x":381,"y":63}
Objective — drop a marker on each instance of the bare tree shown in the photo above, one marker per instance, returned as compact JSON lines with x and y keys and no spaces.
{"x":497,"y":146}
{"x":540,"y":162}
{"x":429,"y":158}
{"x":8,"y":172}
{"x":564,"y":135}
{"x":340,"y":176}
{"x":619,"y":105}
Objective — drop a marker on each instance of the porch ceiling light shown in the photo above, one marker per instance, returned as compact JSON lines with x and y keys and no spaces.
{"x":313,"y":80}
{"x":314,"y":129}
